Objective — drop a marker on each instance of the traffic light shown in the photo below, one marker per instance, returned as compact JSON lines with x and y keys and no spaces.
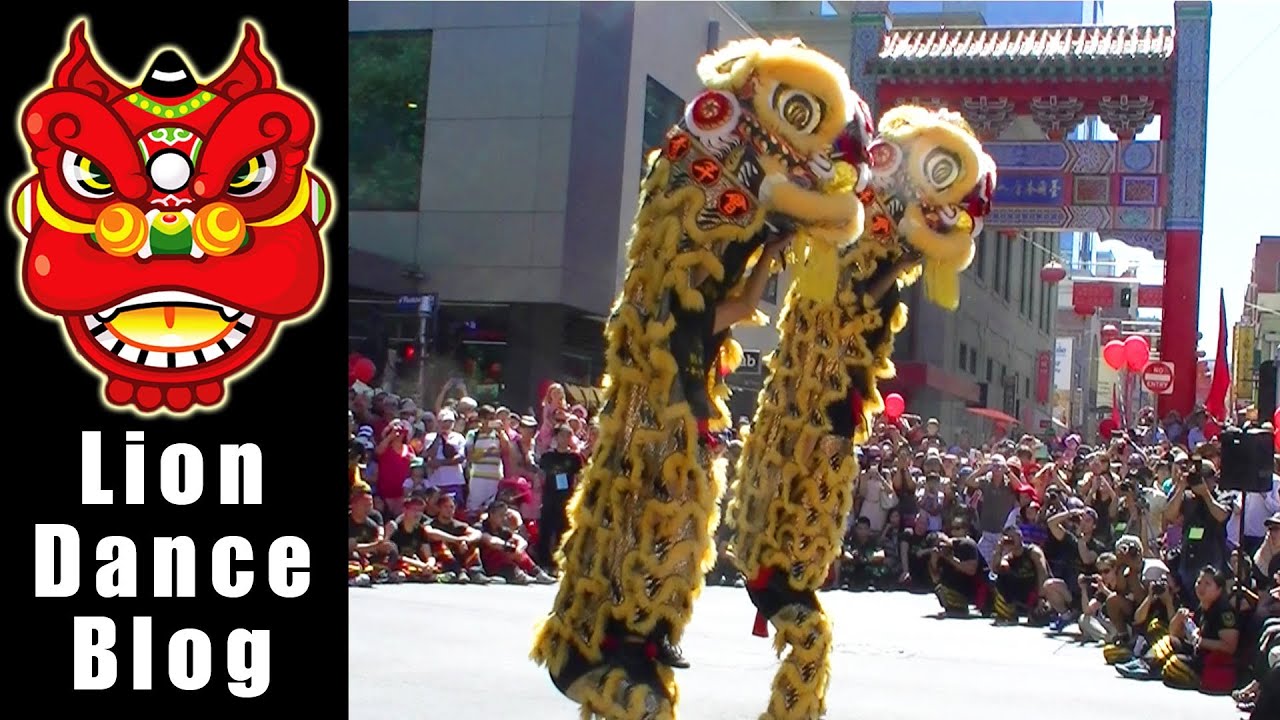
{"x":408,"y":352}
{"x":1126,"y":298}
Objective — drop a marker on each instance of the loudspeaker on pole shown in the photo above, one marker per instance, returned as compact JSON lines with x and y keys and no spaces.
{"x":1266,"y":390}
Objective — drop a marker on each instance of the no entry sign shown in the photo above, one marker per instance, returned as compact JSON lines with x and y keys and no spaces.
{"x":1158,"y":377}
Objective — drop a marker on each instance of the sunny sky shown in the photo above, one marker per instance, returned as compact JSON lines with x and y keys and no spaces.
{"x":1243,"y":159}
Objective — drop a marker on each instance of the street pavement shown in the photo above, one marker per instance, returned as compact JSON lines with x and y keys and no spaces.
{"x":414,"y":647}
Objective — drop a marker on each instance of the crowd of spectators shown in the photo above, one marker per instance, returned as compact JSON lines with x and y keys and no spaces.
{"x":1128,"y":542}
{"x":460,"y":492}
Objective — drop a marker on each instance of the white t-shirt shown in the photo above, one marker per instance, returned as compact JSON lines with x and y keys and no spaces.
{"x":487,"y":467}
{"x":446,"y":476}
{"x":876,"y":502}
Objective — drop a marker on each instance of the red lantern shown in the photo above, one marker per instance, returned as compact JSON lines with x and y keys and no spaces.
{"x":894,"y":406}
{"x":1053,"y":273}
{"x":363,"y":370}
{"x":495,"y":371}
{"x":1113,"y":354}
{"x":1137,"y":352}
{"x":1110,"y":332}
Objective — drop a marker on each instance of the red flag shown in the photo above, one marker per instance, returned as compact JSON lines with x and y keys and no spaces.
{"x":1215,"y":404}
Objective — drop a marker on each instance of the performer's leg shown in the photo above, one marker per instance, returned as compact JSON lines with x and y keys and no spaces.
{"x":812,"y":508}
{"x":635,"y":556}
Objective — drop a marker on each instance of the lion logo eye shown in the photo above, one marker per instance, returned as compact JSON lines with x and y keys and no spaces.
{"x":254,"y":176}
{"x":85,"y":177}
{"x":942,"y":168}
{"x":797,"y":108}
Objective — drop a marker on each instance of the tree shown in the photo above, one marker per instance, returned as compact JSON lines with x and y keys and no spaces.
{"x":387,"y":101}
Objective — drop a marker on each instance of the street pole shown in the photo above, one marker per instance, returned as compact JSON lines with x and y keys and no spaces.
{"x":422,"y":359}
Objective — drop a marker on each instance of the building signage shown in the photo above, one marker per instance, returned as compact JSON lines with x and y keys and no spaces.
{"x":1044,"y":371}
{"x":1063,"y":370}
{"x":421,"y":304}
{"x":1062,"y":363}
{"x":1030,"y":188}
{"x":1093,"y":295}
{"x":1245,"y":363}
{"x":750,"y":362}
{"x":1151,"y":296}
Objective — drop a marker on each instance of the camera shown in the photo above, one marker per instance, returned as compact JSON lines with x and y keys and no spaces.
{"x":1126,"y":486}
{"x":1194,"y":478}
{"x":1159,"y":587}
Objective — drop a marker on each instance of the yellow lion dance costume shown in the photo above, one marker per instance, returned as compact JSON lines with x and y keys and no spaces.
{"x":752,"y":151}
{"x":926,"y":189}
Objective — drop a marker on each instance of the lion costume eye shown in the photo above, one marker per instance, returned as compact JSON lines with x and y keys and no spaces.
{"x":942,"y":168}
{"x":254,"y":176}
{"x":798,"y":108}
{"x":85,"y":177}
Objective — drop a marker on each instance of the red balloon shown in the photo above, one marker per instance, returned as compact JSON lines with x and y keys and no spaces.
{"x":1105,"y":428}
{"x":1275,"y":419}
{"x":1137,"y":352}
{"x":894,"y":406}
{"x":1113,"y":354}
{"x":363,"y":370}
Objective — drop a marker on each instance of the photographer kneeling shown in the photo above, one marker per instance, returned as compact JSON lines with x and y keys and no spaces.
{"x":1126,"y":593}
{"x":959,"y":574}
{"x":1020,"y":571}
{"x":1072,"y":551}
{"x":1151,"y":626}
{"x":1199,"y":652}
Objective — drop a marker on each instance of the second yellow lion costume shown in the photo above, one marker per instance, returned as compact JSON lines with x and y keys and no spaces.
{"x":752,"y":148}
{"x":929,"y":183}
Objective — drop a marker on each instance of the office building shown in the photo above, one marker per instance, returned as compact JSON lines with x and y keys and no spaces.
{"x":496,"y":152}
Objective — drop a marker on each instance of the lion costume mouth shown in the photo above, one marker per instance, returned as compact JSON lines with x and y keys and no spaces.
{"x":169,"y":329}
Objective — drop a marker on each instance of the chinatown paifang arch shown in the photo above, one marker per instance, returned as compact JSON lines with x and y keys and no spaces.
{"x":1148,"y":194}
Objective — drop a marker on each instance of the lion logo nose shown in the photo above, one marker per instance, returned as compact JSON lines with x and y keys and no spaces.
{"x":170,"y":171}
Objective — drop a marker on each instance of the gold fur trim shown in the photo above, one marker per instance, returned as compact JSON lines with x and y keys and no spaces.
{"x":800,"y":685}
{"x":641,"y":521}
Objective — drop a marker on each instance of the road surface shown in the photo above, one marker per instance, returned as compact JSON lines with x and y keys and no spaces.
{"x":412,"y":646}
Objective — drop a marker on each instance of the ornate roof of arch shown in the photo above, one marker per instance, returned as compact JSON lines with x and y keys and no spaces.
{"x":1092,"y":52}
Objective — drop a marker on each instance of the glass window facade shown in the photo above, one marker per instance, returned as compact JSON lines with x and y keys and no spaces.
{"x":387,"y":98}
{"x":662,"y":109}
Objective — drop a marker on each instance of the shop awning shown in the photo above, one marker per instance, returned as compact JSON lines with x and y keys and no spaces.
{"x":993,"y":414}
{"x":584,"y":395}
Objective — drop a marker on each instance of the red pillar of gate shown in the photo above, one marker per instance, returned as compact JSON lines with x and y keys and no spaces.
{"x":1180,"y":312}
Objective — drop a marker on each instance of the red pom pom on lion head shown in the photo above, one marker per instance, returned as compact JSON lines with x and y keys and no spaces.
{"x":171,"y":225}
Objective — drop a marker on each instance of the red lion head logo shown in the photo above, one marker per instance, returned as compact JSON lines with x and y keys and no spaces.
{"x":172,"y":226}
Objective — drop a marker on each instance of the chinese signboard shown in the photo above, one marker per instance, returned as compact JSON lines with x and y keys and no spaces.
{"x":1044,"y":369}
{"x":1030,"y":188}
{"x":1244,"y":366}
{"x":1093,"y":295}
